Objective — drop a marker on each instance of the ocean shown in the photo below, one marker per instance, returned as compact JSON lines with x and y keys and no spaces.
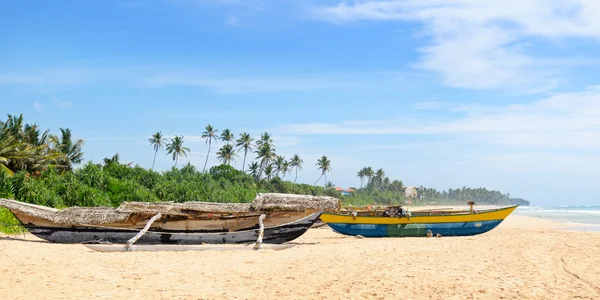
{"x":579,"y":215}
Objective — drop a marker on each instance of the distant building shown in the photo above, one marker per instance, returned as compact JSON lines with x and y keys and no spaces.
{"x":345,"y":192}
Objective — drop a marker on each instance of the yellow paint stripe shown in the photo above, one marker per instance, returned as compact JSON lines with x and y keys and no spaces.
{"x":499,"y":214}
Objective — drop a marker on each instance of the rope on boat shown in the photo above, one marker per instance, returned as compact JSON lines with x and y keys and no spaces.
{"x":139,"y":235}
{"x":261,"y":232}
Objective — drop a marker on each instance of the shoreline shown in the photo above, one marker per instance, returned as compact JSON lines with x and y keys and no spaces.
{"x":548,"y":223}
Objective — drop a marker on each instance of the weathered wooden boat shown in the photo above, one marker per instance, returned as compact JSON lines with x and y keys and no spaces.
{"x":392,"y":222}
{"x":286,"y":218}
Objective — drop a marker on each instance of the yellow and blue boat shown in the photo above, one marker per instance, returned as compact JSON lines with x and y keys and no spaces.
{"x":417,"y":224}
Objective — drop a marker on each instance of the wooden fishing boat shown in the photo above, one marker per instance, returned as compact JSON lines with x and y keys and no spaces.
{"x":416,"y":224}
{"x":286,"y":218}
{"x":98,"y":234}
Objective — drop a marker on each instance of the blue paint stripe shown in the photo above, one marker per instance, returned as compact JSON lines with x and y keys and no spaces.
{"x":444,"y":229}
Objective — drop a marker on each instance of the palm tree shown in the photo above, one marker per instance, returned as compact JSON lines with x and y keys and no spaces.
{"x":157,"y":141}
{"x":369,"y":174}
{"x":244,"y":141}
{"x":285,"y":169}
{"x":14,"y":126}
{"x":176,"y":148}
{"x":209,"y":135}
{"x":227,"y":136}
{"x":112,"y":160}
{"x":32,"y":135}
{"x":296,"y":162}
{"x":23,"y":148}
{"x":269,"y":171}
{"x":226,"y":154}
{"x":324,"y":165}
{"x":65,"y":145}
{"x":266,"y":154}
{"x":10,"y":149}
{"x":362,"y":174}
{"x":386,"y":183}
{"x":378,"y":179}
{"x":265,"y":138}
{"x":279,"y":162}
{"x":253,"y":168}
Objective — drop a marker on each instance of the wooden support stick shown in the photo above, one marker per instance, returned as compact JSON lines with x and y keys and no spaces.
{"x":261,"y":232}
{"x":139,"y":235}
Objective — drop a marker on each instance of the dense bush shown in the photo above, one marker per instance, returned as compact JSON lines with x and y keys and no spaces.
{"x":113,"y":183}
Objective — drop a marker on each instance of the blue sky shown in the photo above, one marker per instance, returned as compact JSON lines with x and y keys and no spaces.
{"x":498,"y":94}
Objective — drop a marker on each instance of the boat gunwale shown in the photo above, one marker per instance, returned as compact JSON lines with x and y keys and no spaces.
{"x":481,"y":212}
{"x":492,"y":214}
{"x":88,"y":226}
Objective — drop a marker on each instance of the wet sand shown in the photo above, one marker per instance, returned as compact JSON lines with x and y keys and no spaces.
{"x":524,"y":258}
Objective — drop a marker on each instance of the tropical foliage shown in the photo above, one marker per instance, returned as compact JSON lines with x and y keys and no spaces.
{"x":380,"y":189}
{"x":24,"y":147}
{"x":209,"y":135}
{"x":176,"y":148}
{"x":245,"y":141}
{"x":158,"y":142}
{"x":324,"y":165}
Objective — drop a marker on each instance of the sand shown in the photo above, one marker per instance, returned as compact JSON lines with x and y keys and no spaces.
{"x":521,"y":259}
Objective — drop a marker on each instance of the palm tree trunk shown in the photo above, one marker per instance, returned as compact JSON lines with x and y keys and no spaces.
{"x":244,"y":163}
{"x":263,"y":165}
{"x":154,"y":160}
{"x":207,"y":154}
{"x":176,"y":158}
{"x":318,"y":179}
{"x":296,"y":175}
{"x":325,"y":177}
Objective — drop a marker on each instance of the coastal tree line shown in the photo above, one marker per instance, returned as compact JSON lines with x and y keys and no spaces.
{"x":37,"y":166}
{"x":267,"y":164}
{"x":376,"y":185}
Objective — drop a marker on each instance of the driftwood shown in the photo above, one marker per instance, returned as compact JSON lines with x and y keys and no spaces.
{"x":139,"y":235}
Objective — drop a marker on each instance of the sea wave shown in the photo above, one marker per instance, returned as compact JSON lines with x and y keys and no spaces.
{"x":580,"y":214}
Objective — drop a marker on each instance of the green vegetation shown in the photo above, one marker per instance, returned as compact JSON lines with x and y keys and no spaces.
{"x":37,"y":167}
{"x":25,"y":147}
{"x":381,"y":190}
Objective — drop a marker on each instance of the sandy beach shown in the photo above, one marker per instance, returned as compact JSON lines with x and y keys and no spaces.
{"x":524,"y":258}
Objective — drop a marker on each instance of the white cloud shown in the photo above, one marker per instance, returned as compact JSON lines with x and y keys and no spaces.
{"x":63,"y":104}
{"x":235,"y":84}
{"x":562,"y":121}
{"x":37,"y":106}
{"x":483,"y":43}
{"x":221,"y":79}
{"x":48,"y":77}
{"x":430,"y":105}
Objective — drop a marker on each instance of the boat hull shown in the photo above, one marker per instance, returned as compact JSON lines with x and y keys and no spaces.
{"x":95,"y":234}
{"x":419,"y":226}
{"x":415,"y":230}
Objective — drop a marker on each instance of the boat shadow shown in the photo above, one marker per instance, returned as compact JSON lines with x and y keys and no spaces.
{"x":14,"y":238}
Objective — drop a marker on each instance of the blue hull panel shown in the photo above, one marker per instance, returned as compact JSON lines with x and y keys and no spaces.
{"x":415,"y":230}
